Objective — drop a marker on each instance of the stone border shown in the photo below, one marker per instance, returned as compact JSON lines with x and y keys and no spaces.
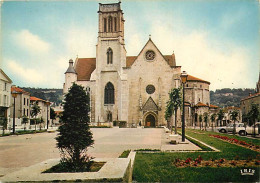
{"x":213,"y":148}
{"x":114,"y":170}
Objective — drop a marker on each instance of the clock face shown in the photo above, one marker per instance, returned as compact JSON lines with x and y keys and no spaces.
{"x":149,"y":55}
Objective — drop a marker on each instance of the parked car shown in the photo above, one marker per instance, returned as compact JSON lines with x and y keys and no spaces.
{"x":230,"y":127}
{"x":250,"y":129}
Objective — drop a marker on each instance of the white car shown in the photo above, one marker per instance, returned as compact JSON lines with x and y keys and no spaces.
{"x":230,"y":127}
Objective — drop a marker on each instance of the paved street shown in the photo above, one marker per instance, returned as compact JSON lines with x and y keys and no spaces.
{"x":21,"y":151}
{"x":25,"y":150}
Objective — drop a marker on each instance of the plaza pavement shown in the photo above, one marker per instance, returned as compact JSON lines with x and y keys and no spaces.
{"x":21,"y":151}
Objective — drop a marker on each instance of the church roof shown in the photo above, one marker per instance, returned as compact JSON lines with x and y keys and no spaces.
{"x":192,"y":78}
{"x":85,"y":66}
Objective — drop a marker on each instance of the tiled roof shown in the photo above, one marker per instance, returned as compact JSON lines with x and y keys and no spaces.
{"x":213,"y":106}
{"x":192,"y":78}
{"x":251,"y":96}
{"x":170,"y":59}
{"x":130,"y":60}
{"x":85,"y":66}
{"x":38,"y":99}
{"x":19,"y":90}
{"x":200,"y":104}
{"x":35,"y":99}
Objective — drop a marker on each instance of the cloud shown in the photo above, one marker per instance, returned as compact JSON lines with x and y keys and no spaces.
{"x":26,"y":75}
{"x":31,"y":42}
{"x":80,"y":41}
{"x":221,"y":63}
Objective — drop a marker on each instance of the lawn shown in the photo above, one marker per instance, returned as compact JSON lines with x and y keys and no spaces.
{"x":159,"y":167}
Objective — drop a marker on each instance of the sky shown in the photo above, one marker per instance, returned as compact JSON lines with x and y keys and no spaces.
{"x":216,"y":40}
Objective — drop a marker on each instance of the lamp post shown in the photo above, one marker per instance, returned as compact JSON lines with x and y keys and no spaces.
{"x":14,"y":95}
{"x":47,"y":103}
{"x":184,"y":76}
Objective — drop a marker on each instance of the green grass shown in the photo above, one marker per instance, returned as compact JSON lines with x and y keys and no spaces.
{"x":203,"y":147}
{"x":125,"y":154}
{"x":159,"y":167}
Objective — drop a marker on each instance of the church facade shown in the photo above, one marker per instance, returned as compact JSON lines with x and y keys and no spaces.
{"x":131,"y":88}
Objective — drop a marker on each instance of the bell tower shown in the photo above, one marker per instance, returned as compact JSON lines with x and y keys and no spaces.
{"x":111,"y":53}
{"x":111,"y":21}
{"x":110,"y":61}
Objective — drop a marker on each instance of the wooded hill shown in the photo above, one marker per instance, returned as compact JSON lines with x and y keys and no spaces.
{"x":229,"y":97}
{"x":52,"y":95}
{"x":221,"y":97}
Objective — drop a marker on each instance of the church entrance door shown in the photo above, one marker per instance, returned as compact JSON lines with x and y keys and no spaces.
{"x":150,"y":120}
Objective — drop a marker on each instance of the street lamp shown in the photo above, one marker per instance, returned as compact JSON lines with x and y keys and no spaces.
{"x":47,"y":103}
{"x":14,"y":95}
{"x":184,"y":76}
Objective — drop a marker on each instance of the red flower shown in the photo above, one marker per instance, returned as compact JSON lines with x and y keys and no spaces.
{"x":221,"y":160}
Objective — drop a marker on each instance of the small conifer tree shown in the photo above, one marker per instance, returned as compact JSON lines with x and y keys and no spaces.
{"x":74,"y":133}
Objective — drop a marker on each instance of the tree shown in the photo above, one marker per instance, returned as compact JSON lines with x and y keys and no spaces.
{"x":220,"y":115}
{"x":74,"y":135}
{"x":233,"y":116}
{"x":25,"y":120}
{"x":175,"y":101}
{"x":212,"y":118}
{"x":41,"y":121}
{"x":254,"y":114}
{"x":200,"y":120}
{"x":3,"y":121}
{"x":205,"y":117}
{"x":53,"y":115}
{"x":35,"y":111}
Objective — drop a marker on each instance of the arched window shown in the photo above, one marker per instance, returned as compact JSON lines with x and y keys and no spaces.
{"x":105,"y":25}
{"x":110,"y":24}
{"x":109,"y":93}
{"x":109,"y":56}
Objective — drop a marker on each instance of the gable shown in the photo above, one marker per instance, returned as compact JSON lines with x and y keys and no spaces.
{"x":4,"y":77}
{"x":150,"y":105}
{"x":169,"y":59}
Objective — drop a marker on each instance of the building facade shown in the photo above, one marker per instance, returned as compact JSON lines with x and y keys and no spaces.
{"x":5,"y":96}
{"x":129,"y":88}
{"x":245,"y":103}
{"x":22,"y":105}
{"x":44,"y":110}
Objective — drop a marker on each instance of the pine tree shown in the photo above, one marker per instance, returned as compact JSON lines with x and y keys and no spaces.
{"x":74,"y":133}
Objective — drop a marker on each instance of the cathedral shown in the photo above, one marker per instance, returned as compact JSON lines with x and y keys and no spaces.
{"x":133,"y":89}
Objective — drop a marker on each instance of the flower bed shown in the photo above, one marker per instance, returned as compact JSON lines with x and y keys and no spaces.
{"x":199,"y":162}
{"x":238,"y":142}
